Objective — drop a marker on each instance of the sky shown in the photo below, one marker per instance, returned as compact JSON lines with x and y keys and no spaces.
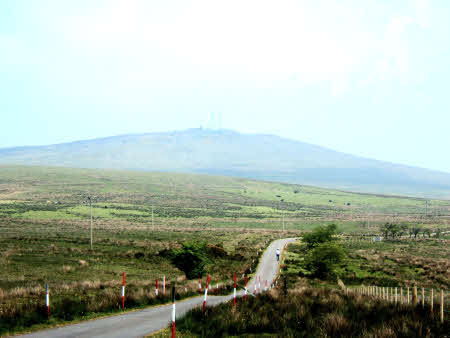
{"x":369,"y":78}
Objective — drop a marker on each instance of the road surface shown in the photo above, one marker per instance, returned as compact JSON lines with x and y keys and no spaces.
{"x":143,"y":322}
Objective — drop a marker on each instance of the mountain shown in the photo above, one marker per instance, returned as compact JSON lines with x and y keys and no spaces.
{"x":226,"y":152}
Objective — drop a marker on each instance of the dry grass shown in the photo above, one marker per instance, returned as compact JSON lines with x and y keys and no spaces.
{"x":83,"y":262}
{"x":67,"y":268}
{"x":336,"y":323}
{"x":311,"y":312}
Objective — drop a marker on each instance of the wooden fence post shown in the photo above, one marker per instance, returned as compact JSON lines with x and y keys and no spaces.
{"x":401,"y":295}
{"x":408,"y":296}
{"x":431,"y":300}
{"x":442,"y":306}
{"x":414,"y":296}
{"x":423,"y":298}
{"x":396,"y":300}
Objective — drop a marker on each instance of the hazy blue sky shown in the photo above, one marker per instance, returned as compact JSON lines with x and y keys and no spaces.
{"x":369,"y":78}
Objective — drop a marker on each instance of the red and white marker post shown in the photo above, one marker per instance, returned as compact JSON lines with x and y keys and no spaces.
{"x":123,"y":291}
{"x":47,"y":300}
{"x":206,"y":292}
{"x":164,"y":285}
{"x":259,"y":285}
{"x":199,"y":285}
{"x":156,"y":288}
{"x":173,"y":311}
{"x":245,"y":294}
{"x":234,"y":290}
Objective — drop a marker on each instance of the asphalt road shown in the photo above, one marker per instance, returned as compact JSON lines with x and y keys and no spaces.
{"x":143,"y":322}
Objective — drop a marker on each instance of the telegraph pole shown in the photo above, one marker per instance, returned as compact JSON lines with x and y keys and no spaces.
{"x":90,"y":205}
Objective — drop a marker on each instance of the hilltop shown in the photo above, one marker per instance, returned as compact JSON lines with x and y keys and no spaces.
{"x":227,"y":152}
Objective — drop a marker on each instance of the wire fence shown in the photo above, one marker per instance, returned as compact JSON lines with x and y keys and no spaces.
{"x":417,"y":296}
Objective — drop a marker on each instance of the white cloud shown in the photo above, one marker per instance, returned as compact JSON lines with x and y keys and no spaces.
{"x":423,"y":13}
{"x":256,"y":40}
{"x":249,"y":42}
{"x":393,"y":50}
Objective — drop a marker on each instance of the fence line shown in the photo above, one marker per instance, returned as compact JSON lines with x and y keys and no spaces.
{"x":390,"y":294}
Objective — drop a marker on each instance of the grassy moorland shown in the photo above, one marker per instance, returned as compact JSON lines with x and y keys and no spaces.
{"x":309,"y":304}
{"x":402,"y":263}
{"x":44,"y":233}
{"x":309,"y":312}
{"x":47,"y":193}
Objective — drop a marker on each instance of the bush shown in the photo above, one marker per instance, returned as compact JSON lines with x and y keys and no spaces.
{"x":320,"y":235}
{"x":323,"y":260}
{"x":191,"y":259}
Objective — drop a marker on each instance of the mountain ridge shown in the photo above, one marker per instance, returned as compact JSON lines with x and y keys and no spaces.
{"x":228,"y":152}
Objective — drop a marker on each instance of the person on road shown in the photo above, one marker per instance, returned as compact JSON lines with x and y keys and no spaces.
{"x":277,"y":252}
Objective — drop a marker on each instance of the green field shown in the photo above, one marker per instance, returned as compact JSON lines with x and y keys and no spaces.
{"x":41,"y":193}
{"x":137,"y":216}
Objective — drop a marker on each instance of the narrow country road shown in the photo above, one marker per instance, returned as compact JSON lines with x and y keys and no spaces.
{"x":143,"y":322}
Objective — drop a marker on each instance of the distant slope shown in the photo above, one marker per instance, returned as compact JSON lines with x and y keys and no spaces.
{"x":228,"y":152}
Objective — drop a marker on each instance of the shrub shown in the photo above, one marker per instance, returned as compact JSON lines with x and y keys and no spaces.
{"x":191,"y":258}
{"x":323,"y":260}
{"x":320,"y":235}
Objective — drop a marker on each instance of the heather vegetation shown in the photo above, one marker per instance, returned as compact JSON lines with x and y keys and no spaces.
{"x":310,"y":312}
{"x":149,"y":225}
{"x":312,"y":301}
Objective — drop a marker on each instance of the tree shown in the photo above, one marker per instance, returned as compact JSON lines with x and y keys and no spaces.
{"x":324,"y":253}
{"x":394,"y":229}
{"x":416,"y":231}
{"x":427,"y":232}
{"x":390,"y":229}
{"x":324,"y":259}
{"x":403,"y":229}
{"x":385,"y":229}
{"x":438,"y":232}
{"x":320,"y":235}
{"x":191,"y":258}
{"x":410,"y":232}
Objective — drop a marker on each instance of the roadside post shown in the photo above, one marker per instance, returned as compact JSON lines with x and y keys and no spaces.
{"x":206,"y":293}
{"x":234,"y":290}
{"x":245,"y":294}
{"x":123,"y":291}
{"x":173,"y":311}
{"x":47,"y":301}
{"x":156,"y":287}
{"x":259,"y":284}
